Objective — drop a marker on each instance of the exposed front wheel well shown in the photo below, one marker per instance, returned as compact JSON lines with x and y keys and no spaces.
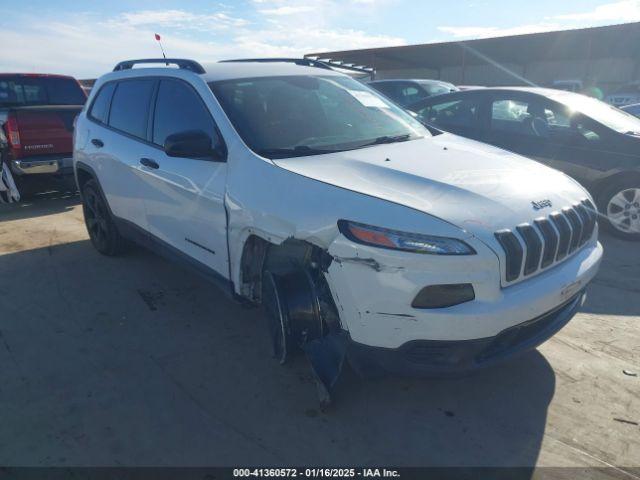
{"x":259,"y":255}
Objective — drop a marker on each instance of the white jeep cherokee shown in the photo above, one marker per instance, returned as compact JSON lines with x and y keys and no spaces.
{"x":363,"y":234}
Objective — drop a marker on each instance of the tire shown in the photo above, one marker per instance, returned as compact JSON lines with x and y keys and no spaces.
{"x":619,"y":205}
{"x":292,"y":308}
{"x":100,"y":225}
{"x":278,"y":325}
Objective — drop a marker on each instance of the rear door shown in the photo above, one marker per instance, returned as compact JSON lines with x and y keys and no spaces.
{"x":117,"y":139}
{"x":184,"y":197}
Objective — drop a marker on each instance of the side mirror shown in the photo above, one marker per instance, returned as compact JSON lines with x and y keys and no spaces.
{"x":190,"y":144}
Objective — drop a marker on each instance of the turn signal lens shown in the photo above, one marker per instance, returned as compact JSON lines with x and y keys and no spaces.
{"x":408,"y":242}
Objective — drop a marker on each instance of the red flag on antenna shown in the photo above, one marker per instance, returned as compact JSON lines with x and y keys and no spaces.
{"x":157,"y":37}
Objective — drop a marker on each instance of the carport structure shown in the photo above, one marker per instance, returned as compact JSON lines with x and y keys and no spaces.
{"x":607,"y":57}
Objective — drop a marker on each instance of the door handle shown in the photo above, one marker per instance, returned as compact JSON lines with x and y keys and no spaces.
{"x":147,"y":162}
{"x":97,"y":142}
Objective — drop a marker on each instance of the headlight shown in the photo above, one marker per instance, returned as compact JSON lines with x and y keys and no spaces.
{"x":408,"y":242}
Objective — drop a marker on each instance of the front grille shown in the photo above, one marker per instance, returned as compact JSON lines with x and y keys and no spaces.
{"x":534,"y":247}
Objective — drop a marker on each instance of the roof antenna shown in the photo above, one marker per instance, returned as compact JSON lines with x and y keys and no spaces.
{"x":158,"y":38}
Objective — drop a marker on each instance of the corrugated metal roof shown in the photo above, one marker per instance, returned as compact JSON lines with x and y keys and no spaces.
{"x":615,"y":41}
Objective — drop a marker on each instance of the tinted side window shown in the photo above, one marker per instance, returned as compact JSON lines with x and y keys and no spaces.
{"x":179,"y":108}
{"x":387,"y":88}
{"x":130,"y":106}
{"x":100,"y":108}
{"x":519,"y":117}
{"x":411,"y":94}
{"x":454,"y":113}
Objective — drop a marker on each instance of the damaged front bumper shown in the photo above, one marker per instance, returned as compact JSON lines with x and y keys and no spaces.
{"x":442,"y":358}
{"x":375,"y":299}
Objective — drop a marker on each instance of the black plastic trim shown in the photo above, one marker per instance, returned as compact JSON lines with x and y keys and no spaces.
{"x":576,"y":226}
{"x":562,"y":224}
{"x":550,"y":241}
{"x":513,"y":253}
{"x":534,"y":248}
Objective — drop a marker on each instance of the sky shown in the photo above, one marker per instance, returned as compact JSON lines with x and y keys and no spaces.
{"x":86,"y":38}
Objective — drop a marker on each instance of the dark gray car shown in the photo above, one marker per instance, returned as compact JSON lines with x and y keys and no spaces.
{"x":595,"y":143}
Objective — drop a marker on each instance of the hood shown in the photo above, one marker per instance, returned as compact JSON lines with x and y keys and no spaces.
{"x":474,"y":186}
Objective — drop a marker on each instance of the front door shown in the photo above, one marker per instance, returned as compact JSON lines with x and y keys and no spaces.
{"x":185,"y":200}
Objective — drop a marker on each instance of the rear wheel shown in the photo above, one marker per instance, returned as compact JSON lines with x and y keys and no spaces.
{"x":102,"y":230}
{"x":620,"y":203}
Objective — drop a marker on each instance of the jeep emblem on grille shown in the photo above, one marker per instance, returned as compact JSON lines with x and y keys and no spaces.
{"x":541,"y":204}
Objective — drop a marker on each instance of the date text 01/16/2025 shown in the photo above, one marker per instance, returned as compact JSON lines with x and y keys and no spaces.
{"x":315,"y":473}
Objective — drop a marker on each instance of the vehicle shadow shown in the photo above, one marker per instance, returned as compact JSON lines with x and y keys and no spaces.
{"x":616,"y":290}
{"x":493,"y":418}
{"x":134,"y":361}
{"x":47,"y":202}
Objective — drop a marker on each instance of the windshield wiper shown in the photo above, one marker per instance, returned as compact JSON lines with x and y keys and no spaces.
{"x":298,"y":151}
{"x":389,"y":139}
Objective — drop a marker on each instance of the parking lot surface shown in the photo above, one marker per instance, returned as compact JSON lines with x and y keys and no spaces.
{"x":135,"y":361}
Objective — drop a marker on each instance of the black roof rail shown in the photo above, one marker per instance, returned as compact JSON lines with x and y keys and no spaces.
{"x":352,"y":67}
{"x":305,"y":62}
{"x":182,"y":63}
{"x":327,"y":64}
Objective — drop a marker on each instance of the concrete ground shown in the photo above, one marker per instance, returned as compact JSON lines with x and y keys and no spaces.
{"x":134,"y":361}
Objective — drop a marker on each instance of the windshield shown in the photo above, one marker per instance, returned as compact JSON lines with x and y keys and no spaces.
{"x":601,"y":112}
{"x":31,"y":90}
{"x":280,"y":117}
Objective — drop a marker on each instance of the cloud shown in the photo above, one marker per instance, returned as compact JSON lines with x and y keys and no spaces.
{"x":615,"y":12}
{"x":623,"y":11}
{"x":288,"y":10}
{"x":181,"y":19}
{"x":87,"y":46}
{"x":84,"y":49}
